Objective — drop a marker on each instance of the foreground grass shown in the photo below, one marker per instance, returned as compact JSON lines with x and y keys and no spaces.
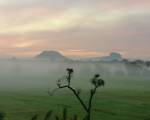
{"x":108,"y":104}
{"x":120,"y":99}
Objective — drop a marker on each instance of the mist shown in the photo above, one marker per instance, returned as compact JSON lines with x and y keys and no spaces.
{"x":26,"y":74}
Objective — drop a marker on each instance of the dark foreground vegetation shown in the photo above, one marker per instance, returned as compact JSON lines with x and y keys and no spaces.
{"x":96,"y":82}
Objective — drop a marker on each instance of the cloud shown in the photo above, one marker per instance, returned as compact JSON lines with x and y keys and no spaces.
{"x":40,"y":15}
{"x":99,"y":26}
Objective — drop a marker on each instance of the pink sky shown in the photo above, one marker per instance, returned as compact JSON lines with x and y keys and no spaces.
{"x":81,"y":28}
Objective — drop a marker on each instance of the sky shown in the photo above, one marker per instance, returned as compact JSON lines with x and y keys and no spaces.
{"x":76,"y":28}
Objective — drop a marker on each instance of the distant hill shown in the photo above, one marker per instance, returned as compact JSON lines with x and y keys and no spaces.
{"x":112,"y":57}
{"x":57,"y":56}
{"x":51,"y":55}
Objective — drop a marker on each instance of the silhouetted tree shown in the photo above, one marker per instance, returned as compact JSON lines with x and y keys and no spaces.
{"x":96,"y":82}
{"x":147,"y":63}
{"x":126,"y":61}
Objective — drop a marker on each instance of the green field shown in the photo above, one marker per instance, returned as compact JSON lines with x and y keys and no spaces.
{"x":120,"y":99}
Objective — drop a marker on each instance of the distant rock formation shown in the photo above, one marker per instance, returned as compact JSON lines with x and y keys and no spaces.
{"x":51,"y":55}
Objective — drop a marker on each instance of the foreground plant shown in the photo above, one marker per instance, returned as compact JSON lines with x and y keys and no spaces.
{"x":96,"y":82}
{"x":64,"y":116}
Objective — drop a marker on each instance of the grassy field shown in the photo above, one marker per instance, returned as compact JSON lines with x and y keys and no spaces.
{"x":120,"y":99}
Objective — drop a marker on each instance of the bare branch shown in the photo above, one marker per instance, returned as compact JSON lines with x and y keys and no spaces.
{"x":78,"y":97}
{"x":96,"y":82}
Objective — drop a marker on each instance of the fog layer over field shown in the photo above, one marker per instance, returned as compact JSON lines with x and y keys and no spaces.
{"x":38,"y":74}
